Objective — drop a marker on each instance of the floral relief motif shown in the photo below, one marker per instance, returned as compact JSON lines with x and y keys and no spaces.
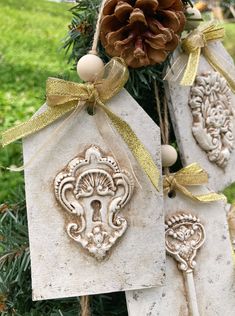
{"x":184,"y":235}
{"x":93,"y":190}
{"x":213,"y":114}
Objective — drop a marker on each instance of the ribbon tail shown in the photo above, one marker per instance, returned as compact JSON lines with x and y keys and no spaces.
{"x":211,"y":197}
{"x":174,"y":72}
{"x":35,"y":124}
{"x":192,"y":174}
{"x":225,"y":68}
{"x":109,"y":135}
{"x":49,"y":140}
{"x":136,"y":147}
{"x":208,"y":197}
{"x":191,"y":69}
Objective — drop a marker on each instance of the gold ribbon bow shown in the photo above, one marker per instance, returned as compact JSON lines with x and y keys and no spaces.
{"x":65,"y":96}
{"x":190,"y":176}
{"x":195,"y":44}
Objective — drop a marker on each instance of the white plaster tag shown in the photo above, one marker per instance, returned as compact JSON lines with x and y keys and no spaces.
{"x":92,"y":228}
{"x":213,"y":273}
{"x":203,"y":117}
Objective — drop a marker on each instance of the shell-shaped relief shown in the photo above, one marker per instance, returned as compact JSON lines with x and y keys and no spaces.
{"x":93,"y":189}
{"x":212,"y":110}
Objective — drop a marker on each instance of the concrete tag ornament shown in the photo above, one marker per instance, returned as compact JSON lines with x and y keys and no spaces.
{"x":203,"y":119}
{"x":89,"y":219}
{"x":198,"y":247}
{"x":94,"y":189}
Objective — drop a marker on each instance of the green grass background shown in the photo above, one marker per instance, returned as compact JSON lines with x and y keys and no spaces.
{"x":31,"y":34}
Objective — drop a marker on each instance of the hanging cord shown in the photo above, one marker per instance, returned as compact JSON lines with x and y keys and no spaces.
{"x":85,"y":306}
{"x":163,"y":115}
{"x":163,"y":118}
{"x":97,"y":31}
{"x":84,"y":300}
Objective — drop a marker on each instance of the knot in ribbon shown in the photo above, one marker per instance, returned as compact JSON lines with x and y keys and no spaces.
{"x":66,"y":96}
{"x":60,"y":92}
{"x":170,"y":183}
{"x":191,"y":175}
{"x":114,"y":77}
{"x":194,"y":41}
{"x":195,"y":44}
{"x":93,"y":94}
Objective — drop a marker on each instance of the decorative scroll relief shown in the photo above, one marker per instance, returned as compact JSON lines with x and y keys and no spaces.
{"x":184,"y":236}
{"x":211,"y":105}
{"x":94,"y":190}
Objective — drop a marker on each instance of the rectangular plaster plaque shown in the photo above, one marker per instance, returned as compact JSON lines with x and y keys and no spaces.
{"x":203,"y":118}
{"x":85,"y":240}
{"x":214,"y":273}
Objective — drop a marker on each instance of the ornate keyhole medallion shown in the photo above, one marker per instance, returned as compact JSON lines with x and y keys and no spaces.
{"x":94,"y":191}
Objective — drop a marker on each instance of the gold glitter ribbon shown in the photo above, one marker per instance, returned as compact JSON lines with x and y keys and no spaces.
{"x":195,"y":44}
{"x":191,"y":175}
{"x":65,"y":96}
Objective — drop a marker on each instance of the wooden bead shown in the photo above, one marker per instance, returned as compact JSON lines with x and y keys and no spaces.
{"x":193,"y":18}
{"x":169,"y":155}
{"x":89,"y":66}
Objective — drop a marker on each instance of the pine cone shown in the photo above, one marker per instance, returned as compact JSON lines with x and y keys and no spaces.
{"x":142,"y":32}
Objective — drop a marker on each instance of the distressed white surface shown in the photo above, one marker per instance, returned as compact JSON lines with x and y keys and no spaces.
{"x":182,"y":120}
{"x":59,"y":267}
{"x":214,"y":274}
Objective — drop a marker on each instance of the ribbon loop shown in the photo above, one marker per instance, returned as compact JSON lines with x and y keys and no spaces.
{"x":190,"y":176}
{"x":65,"y":96}
{"x":193,"y":45}
{"x":193,"y":42}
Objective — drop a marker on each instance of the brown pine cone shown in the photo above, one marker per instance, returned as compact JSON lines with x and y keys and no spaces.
{"x":142,"y":32}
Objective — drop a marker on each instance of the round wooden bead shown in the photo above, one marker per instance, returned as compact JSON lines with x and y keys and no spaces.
{"x":194,"y":17}
{"x":89,"y":66}
{"x":169,"y":155}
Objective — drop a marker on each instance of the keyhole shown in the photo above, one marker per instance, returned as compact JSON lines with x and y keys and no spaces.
{"x":96,"y":206}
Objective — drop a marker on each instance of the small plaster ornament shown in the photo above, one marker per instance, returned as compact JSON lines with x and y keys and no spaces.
{"x":89,"y":219}
{"x":203,"y":119}
{"x":93,"y":193}
{"x":197,"y":236}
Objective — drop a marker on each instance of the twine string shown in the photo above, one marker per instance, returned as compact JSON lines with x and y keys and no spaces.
{"x":163,"y":115}
{"x":163,"y":119}
{"x":85,"y":306}
{"x":97,"y":30}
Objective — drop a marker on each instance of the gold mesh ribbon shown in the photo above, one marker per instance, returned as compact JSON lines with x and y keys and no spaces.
{"x":65,"y":96}
{"x":195,"y":44}
{"x":191,"y":175}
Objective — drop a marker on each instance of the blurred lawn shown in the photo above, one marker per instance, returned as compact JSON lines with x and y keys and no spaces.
{"x":31,"y":32}
{"x":230,"y":38}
